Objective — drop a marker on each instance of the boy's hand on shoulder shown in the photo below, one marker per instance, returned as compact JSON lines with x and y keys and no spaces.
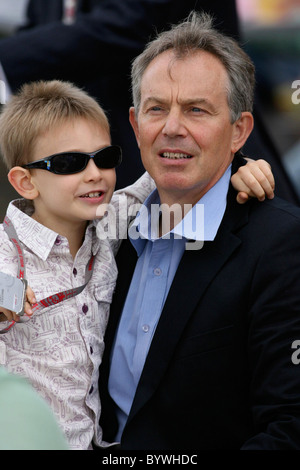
{"x":255,"y":179}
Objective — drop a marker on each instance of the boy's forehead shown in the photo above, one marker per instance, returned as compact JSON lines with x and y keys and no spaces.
{"x":78,"y":134}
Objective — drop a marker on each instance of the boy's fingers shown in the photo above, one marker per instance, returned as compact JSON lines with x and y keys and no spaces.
{"x":248,"y":184}
{"x":3,"y":317}
{"x":30,"y":297}
{"x":255,"y":181}
{"x":8,"y":315}
{"x":264,"y":177}
{"x":28,"y":309}
{"x":263,"y":165}
{"x":242,"y":197}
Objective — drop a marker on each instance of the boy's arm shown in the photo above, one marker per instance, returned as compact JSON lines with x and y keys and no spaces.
{"x":127,"y":202}
{"x":255,"y":179}
{"x":138,"y":191}
{"x":122,"y":209}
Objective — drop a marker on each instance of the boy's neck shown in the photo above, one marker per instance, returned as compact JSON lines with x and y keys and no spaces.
{"x":74,"y":232}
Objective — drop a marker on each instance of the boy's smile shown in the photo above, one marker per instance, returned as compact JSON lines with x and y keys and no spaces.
{"x":94,"y":197}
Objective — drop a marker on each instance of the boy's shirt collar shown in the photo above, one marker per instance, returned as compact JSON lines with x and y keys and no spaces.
{"x":20,"y":213}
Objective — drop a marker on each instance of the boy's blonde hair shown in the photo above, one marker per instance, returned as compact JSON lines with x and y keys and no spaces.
{"x":37,"y":108}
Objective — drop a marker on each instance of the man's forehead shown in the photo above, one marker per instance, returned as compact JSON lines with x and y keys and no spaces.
{"x":168,"y":59}
{"x":199,"y":70}
{"x":186,"y":87}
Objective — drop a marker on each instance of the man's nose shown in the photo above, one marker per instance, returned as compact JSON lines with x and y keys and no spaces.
{"x":174,"y":125}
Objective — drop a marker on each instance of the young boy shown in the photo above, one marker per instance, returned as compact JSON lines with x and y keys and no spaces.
{"x":59,"y":347}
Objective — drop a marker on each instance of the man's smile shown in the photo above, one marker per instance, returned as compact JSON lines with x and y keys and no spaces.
{"x":175,"y":155}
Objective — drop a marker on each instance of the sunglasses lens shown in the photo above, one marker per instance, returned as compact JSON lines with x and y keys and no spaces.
{"x":109,"y":157}
{"x":68,"y":163}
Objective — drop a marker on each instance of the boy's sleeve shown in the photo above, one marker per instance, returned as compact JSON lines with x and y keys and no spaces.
{"x":138,"y":191}
{"x":122,"y":210}
{"x":127,"y":201}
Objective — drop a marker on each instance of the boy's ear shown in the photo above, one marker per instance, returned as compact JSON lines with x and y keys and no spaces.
{"x":21,"y":180}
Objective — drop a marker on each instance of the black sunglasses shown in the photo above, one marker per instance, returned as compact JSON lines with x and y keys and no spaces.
{"x":68,"y":163}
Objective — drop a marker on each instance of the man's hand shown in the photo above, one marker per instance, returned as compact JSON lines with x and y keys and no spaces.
{"x":254,"y":180}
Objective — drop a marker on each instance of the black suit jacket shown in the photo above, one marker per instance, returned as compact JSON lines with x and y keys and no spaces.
{"x":219,"y":373}
{"x":96,"y":53}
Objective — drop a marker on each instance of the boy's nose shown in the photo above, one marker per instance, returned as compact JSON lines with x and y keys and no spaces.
{"x":92,"y":171}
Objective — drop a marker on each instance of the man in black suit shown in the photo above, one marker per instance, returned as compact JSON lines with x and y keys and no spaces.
{"x":201,"y":335}
{"x":95,"y":50}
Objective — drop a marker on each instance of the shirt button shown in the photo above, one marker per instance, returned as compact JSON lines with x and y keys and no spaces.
{"x":157,"y":271}
{"x":58,"y":240}
{"x":145,"y":328}
{"x":85,"y":308}
{"x":75,"y":272}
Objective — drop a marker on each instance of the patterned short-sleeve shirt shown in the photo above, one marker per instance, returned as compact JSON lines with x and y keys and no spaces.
{"x":59,"y":349}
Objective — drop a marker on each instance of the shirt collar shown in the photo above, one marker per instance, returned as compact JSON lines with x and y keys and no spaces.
{"x":20,"y":213}
{"x":200,"y":223}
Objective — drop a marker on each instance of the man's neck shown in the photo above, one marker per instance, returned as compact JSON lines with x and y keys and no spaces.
{"x":174,"y":208}
{"x":171,"y":215}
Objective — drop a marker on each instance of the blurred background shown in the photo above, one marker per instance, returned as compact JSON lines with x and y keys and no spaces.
{"x":12,"y":15}
{"x":271,"y":35}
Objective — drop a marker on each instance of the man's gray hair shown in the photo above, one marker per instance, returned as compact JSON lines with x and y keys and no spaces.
{"x":197,"y":33}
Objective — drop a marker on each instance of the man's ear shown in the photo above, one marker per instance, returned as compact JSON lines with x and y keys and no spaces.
{"x":21,"y":180}
{"x":134,"y":124}
{"x":242,"y":129}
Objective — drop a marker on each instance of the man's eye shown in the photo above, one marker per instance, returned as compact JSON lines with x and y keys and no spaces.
{"x":155,"y":108}
{"x":195,"y":109}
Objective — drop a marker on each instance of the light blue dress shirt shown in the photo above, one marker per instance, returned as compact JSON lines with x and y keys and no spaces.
{"x":158,"y":259}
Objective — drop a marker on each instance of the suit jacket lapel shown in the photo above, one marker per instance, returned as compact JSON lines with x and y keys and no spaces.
{"x":126,"y":261}
{"x":195,"y":272}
